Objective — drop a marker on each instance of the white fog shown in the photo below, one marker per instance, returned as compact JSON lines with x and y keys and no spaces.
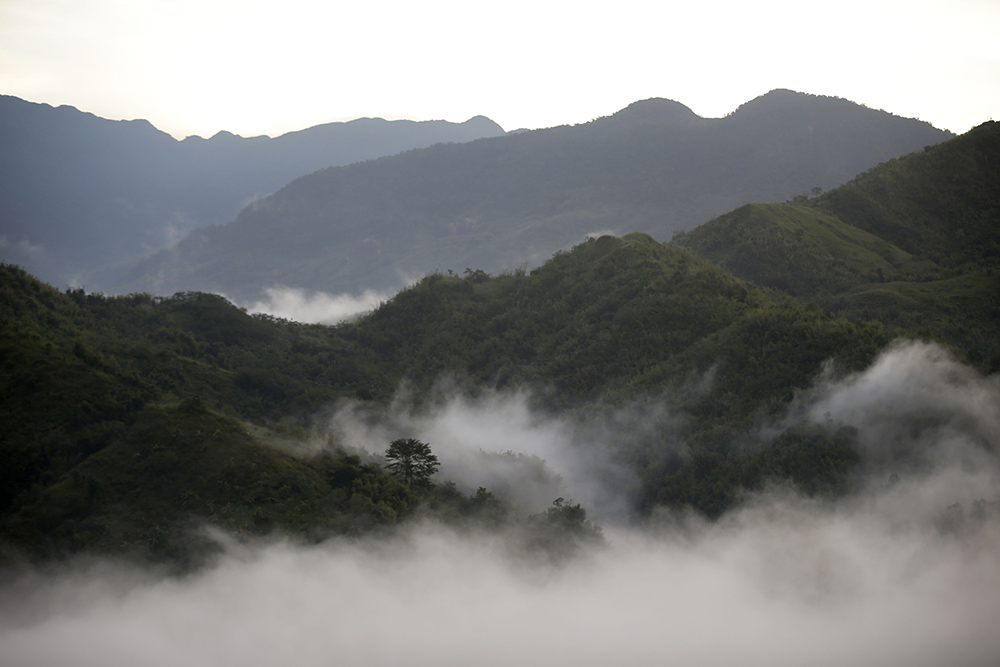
{"x":905,"y":572}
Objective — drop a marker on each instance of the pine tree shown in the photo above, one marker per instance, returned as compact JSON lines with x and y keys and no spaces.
{"x":411,"y":461}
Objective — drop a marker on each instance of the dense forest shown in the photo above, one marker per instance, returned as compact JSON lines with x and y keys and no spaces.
{"x":182,"y":394}
{"x":912,"y":242}
{"x":132,"y":422}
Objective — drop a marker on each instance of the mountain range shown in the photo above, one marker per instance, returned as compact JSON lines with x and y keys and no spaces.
{"x":81,"y":195}
{"x":685,"y":367}
{"x":493,"y":204}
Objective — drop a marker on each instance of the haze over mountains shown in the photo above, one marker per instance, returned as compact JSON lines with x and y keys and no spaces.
{"x":80,"y":193}
{"x":84,"y":198}
{"x":654,"y":167}
{"x":615,"y":324}
{"x":773,"y":439}
{"x":758,"y":463}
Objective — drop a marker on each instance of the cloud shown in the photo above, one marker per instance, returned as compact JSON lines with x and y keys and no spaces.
{"x":907,"y":573}
{"x":915,"y":405}
{"x":175,"y":230}
{"x":502,"y":441}
{"x":316,"y":307}
{"x":781,"y":582}
{"x":30,"y":249}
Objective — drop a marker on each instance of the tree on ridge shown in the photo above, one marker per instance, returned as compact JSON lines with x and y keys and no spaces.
{"x":411,"y":461}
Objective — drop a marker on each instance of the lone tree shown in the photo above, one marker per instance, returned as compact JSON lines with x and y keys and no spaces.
{"x":411,"y":461}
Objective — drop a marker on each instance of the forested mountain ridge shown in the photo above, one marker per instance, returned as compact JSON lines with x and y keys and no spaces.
{"x":611,"y":319}
{"x":940,"y":203}
{"x":81,"y":193}
{"x":654,"y":167}
{"x":132,"y":418}
{"x":912,"y":242}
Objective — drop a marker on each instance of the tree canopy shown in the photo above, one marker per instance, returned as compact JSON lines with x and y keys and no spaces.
{"x":411,"y":461}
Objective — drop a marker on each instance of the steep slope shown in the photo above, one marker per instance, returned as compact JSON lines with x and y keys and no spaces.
{"x":943,"y":203}
{"x":914,"y":242}
{"x":800,"y":249}
{"x":78,"y":193}
{"x":654,"y":167}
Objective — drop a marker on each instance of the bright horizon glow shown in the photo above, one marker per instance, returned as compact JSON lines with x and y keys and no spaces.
{"x":259,"y":67}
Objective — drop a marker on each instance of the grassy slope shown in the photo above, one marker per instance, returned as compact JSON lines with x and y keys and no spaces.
{"x":964,"y":310}
{"x":799,"y":249}
{"x":942,"y":203}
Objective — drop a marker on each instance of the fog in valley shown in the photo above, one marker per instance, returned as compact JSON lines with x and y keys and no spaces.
{"x":906,"y":570}
{"x":315,"y":307}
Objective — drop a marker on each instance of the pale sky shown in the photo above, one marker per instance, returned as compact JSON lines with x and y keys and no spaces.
{"x":264,"y":67}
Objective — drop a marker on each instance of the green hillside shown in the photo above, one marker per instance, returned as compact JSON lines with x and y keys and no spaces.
{"x":611,"y":319}
{"x":109,"y":443}
{"x":133,"y":422}
{"x":128,"y":420}
{"x":800,"y":249}
{"x":622,"y":319}
{"x":941,"y":203}
{"x":166,"y":471}
{"x":912,"y":242}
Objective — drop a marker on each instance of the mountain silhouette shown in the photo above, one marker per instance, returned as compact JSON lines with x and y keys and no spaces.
{"x":494,"y":204}
{"x":80,"y":193}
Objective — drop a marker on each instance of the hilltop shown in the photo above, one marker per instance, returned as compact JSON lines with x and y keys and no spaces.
{"x":912,"y":242}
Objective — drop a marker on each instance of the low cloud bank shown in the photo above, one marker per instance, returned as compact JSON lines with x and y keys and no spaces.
{"x":916,"y":408}
{"x":780,"y":582}
{"x":313,"y":307}
{"x":903,"y":573}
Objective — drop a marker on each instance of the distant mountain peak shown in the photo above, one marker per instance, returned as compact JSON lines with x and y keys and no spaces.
{"x":82,"y":195}
{"x":785,"y":93}
{"x":655,"y":109}
{"x":225,"y":135}
{"x":787,"y":100}
{"x":481,"y":121}
{"x":788,"y":108}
